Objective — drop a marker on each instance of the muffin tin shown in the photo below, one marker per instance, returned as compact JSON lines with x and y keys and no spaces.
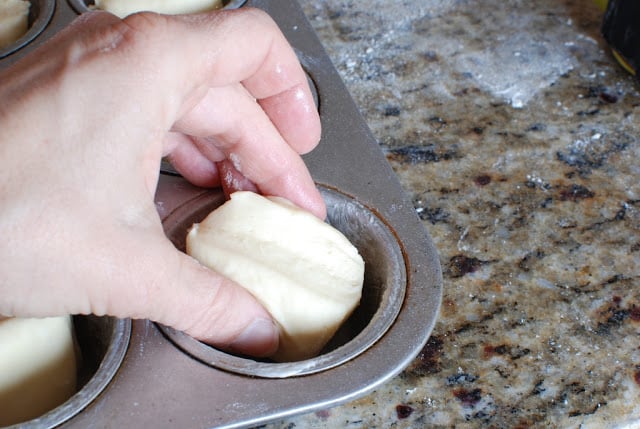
{"x":140,"y":373}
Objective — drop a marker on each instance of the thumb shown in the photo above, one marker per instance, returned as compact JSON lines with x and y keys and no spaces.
{"x":179,"y":292}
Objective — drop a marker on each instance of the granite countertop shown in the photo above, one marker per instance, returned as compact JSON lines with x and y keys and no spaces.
{"x":515,"y":133}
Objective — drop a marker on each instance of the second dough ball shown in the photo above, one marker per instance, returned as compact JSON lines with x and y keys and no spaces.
{"x":122,"y":8}
{"x":305,"y":272}
{"x":37,"y":366}
{"x":14,"y":21}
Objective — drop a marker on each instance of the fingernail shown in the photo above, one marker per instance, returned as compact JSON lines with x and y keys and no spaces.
{"x":260,"y":338}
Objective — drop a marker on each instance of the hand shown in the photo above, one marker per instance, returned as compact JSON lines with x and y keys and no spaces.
{"x":85,"y":121}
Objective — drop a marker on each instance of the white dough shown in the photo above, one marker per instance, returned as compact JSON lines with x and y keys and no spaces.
{"x":37,"y":366}
{"x":122,"y":8}
{"x":305,"y":272}
{"x":14,"y":20}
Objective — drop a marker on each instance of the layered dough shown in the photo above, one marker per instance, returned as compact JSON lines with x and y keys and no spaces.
{"x":14,"y":21}
{"x":37,"y":366}
{"x":122,"y":8}
{"x":305,"y":272}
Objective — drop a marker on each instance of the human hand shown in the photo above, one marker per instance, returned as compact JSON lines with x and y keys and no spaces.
{"x":85,"y":121}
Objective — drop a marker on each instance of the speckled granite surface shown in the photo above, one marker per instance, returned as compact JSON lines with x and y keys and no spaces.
{"x":516,"y":135}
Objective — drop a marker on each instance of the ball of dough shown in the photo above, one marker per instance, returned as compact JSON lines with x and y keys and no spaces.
{"x":14,"y":21}
{"x":37,"y":366}
{"x":305,"y":272}
{"x":122,"y":8}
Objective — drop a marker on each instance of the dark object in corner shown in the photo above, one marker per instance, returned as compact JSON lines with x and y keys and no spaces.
{"x":621,"y":29}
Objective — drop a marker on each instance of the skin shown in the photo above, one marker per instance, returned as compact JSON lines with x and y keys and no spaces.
{"x":85,"y":121}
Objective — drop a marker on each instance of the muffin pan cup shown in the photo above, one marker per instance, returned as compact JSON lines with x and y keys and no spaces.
{"x":40,"y":14}
{"x":382,"y":295}
{"x":82,"y":6}
{"x":102,"y":343}
{"x":165,"y":378}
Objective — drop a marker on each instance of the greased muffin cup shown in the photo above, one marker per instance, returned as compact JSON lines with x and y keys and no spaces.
{"x":40,"y":14}
{"x":382,"y":293}
{"x":102,"y":343}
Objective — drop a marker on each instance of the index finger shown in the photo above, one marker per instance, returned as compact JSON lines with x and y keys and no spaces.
{"x":247,"y":46}
{"x":215,"y":52}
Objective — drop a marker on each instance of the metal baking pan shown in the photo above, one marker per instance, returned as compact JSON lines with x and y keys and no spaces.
{"x":139,"y":373}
